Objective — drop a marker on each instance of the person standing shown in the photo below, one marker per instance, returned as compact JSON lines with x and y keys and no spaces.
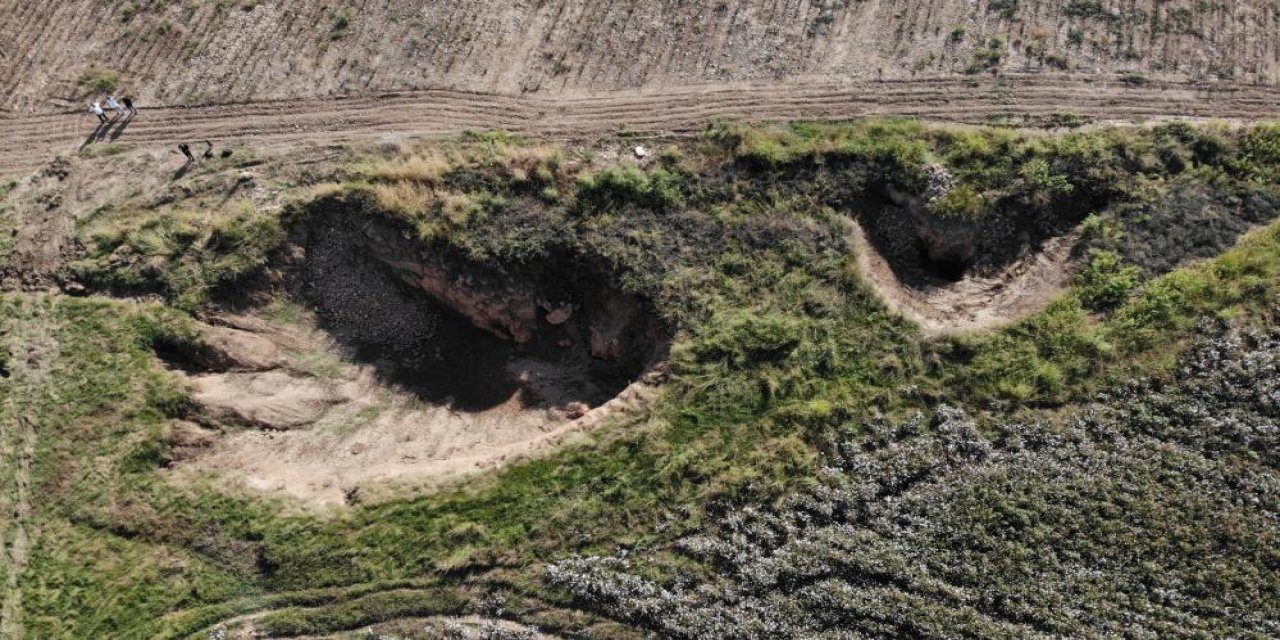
{"x":96,"y":109}
{"x":115,"y":106}
{"x":186,"y":151}
{"x":128,"y":104}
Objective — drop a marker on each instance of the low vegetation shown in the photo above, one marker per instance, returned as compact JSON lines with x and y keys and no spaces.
{"x":1102,"y":467}
{"x":98,"y":80}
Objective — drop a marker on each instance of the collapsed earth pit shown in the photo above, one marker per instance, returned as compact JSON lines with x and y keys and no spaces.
{"x":954,"y":275}
{"x":432,"y":365}
{"x":553,"y":334}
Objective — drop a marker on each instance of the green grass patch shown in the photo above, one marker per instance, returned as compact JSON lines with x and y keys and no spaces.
{"x":740,"y":243}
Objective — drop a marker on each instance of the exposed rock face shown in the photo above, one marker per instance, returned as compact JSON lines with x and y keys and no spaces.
{"x":502,"y":310}
{"x":950,"y":245}
{"x":611,"y":327}
{"x":923,"y":245}
{"x":499,"y":306}
{"x":559,"y":315}
{"x":521,"y":307}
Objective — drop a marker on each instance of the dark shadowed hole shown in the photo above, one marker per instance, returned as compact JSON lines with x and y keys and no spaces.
{"x":947,"y":267}
{"x":180,"y":355}
{"x":419,"y":344}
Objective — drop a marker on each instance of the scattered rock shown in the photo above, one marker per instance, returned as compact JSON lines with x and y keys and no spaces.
{"x":575,"y":410}
{"x":560,"y":315}
{"x":227,"y":349}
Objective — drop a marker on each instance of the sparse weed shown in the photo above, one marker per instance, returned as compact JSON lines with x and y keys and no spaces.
{"x":99,"y":80}
{"x":341,"y":23}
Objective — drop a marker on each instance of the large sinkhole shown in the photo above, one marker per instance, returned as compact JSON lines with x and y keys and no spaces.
{"x":926,"y":250}
{"x":554,"y":333}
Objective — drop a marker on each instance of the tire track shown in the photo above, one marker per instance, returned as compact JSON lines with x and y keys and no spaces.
{"x":32,"y":140}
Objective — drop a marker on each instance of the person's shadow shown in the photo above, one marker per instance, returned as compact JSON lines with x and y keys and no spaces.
{"x":96,"y":135}
{"x":125,"y":121}
{"x":184,"y":169}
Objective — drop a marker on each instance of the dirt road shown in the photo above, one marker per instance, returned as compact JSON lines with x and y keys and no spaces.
{"x":33,"y":140}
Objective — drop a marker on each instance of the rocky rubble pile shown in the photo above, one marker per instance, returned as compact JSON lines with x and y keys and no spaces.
{"x":357,"y":299}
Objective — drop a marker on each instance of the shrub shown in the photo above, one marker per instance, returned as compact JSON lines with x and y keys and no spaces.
{"x":341,"y":22}
{"x":1041,"y":185}
{"x":988,"y":57}
{"x":99,"y":79}
{"x":1133,"y":78}
{"x":1088,"y":9}
{"x":1005,"y":8}
{"x":615,"y":188}
{"x":742,"y":339}
{"x":1105,"y":281}
{"x":128,"y":11}
{"x":1260,"y":152}
{"x":961,"y":202}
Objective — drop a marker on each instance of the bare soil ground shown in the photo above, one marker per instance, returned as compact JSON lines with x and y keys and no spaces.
{"x":176,"y":53}
{"x":287,"y":124}
{"x":327,"y":430}
{"x":470,"y":627}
